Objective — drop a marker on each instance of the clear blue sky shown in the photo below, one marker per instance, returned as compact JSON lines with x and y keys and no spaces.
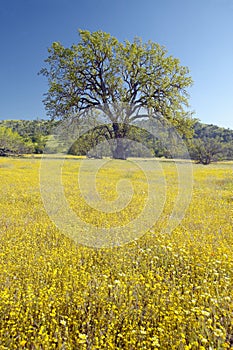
{"x":198,"y":32}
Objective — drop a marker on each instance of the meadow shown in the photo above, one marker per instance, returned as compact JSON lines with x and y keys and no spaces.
{"x":161,"y":290}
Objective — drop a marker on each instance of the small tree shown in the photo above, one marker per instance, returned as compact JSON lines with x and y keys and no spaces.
{"x":125,"y":81}
{"x":12,"y":143}
{"x":206,"y":150}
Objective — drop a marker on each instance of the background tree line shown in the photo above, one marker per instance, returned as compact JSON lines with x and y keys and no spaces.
{"x":209,"y":142}
{"x":24,"y":136}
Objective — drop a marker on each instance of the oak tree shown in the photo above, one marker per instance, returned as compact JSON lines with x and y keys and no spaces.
{"x":125,"y":81}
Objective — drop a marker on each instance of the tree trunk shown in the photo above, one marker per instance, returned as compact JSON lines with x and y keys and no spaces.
{"x":204,"y":159}
{"x":119,"y":149}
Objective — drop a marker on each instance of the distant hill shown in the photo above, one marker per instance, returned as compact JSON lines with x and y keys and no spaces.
{"x":213,"y":131}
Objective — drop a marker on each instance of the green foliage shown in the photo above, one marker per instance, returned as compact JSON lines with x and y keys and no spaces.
{"x":125,"y":81}
{"x":213,"y":131}
{"x":206,"y":150}
{"x":205,"y":146}
{"x":211,"y":143}
{"x":33,"y":133}
{"x":12,"y":143}
{"x":29,"y":128}
{"x":94,"y":142}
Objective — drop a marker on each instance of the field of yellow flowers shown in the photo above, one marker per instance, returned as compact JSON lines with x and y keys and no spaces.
{"x":160,"y":291}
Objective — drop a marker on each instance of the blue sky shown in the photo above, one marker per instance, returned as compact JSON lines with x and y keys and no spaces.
{"x":198,"y":32}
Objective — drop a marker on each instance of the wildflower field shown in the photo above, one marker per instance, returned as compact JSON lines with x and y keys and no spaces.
{"x":159,"y":291}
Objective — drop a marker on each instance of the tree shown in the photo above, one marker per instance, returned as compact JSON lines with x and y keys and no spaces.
{"x":211,"y":143}
{"x":93,"y":143}
{"x":33,"y":132}
{"x":206,"y":150}
{"x":12,"y":143}
{"x":125,"y":81}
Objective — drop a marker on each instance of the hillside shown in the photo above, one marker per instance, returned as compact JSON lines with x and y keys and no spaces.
{"x":209,"y":142}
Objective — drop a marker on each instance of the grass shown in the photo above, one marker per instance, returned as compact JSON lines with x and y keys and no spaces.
{"x":159,"y":291}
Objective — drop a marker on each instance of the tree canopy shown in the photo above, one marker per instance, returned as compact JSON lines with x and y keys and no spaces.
{"x":125,"y":81}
